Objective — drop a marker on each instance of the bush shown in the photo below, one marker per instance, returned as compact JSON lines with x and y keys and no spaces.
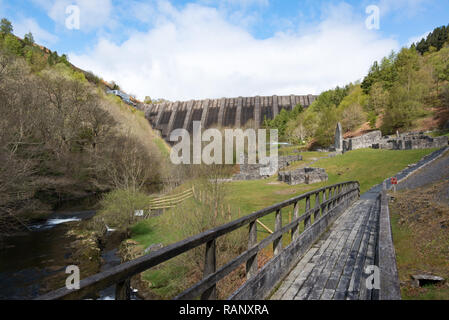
{"x":195,"y":217}
{"x":118,"y":210}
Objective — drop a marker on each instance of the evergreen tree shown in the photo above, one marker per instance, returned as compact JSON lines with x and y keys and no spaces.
{"x":13,"y":45}
{"x":6,"y":27}
{"x":29,"y":39}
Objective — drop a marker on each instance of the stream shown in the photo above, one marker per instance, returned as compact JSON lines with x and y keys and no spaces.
{"x":30,"y":260}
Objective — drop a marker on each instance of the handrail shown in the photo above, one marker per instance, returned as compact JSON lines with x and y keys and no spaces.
{"x":121,"y":274}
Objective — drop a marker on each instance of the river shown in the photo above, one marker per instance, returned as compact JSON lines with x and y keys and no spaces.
{"x":30,"y":262}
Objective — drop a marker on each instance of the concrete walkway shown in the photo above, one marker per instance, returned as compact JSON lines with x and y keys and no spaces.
{"x":333,"y":268}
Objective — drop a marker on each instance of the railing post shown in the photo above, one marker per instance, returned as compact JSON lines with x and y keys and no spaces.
{"x":307,"y":219}
{"x":318,"y":204}
{"x":251,"y":264}
{"x":295,"y":230}
{"x":323,"y":209}
{"x":339,"y":193}
{"x":332,"y":193}
{"x":210,"y":264}
{"x":277,"y":244}
{"x":123,"y":290}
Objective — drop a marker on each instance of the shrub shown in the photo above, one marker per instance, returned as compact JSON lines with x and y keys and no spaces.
{"x":118,"y":210}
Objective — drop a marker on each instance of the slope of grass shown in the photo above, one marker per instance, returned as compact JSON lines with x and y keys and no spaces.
{"x":420,"y":221}
{"x":133,"y":122}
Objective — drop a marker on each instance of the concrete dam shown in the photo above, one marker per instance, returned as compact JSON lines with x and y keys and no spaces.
{"x":242,"y":112}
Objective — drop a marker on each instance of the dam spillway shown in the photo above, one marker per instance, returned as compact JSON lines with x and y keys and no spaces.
{"x":241,"y":112}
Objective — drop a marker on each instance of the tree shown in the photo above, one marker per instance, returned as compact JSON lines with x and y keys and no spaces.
{"x":29,"y":39}
{"x":353,"y":117}
{"x":378,"y":98}
{"x":326,"y":127}
{"x":13,"y":45}
{"x":148,"y":100}
{"x":6,"y":27}
{"x":435,"y":39}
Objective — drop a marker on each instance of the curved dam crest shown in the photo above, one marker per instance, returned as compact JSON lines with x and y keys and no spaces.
{"x":241,"y":112}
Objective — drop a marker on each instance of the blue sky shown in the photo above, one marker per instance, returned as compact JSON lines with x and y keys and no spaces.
{"x":184,"y":50}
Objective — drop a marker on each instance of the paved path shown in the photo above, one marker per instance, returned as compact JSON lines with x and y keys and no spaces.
{"x":437,"y":171}
{"x":333,"y":268}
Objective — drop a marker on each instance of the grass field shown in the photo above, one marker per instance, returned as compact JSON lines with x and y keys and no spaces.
{"x":368,"y":166}
{"x":420,"y":224}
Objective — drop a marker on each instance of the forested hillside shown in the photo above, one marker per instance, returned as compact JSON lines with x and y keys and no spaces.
{"x":405,"y":91}
{"x":62,"y":137}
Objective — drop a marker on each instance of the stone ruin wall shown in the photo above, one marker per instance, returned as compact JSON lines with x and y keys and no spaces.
{"x":253,"y":171}
{"x":407,"y":141}
{"x":303,"y":176}
{"x":239,"y":112}
{"x":362,"y":142}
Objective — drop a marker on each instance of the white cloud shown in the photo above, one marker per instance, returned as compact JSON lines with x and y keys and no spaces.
{"x":196,"y":53}
{"x":40,"y":35}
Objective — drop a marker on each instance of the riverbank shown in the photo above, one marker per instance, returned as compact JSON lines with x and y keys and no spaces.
{"x":34,"y":260}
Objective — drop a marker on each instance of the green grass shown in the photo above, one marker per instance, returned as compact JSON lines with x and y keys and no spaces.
{"x":440,"y":133}
{"x":162,"y":146}
{"x":421,"y":247}
{"x":368,"y":166}
{"x":408,"y":261}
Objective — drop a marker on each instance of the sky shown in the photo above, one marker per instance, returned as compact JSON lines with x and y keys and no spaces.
{"x":182,"y":50}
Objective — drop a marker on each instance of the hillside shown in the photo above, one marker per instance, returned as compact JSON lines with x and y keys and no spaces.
{"x":63,"y":138}
{"x":406,"y":91}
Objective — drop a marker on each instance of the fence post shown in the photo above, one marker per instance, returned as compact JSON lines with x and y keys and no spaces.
{"x":295,"y":230}
{"x":307,"y":219}
{"x":277,"y":244}
{"x":318,"y":204}
{"x":323,"y":210}
{"x":339,"y":192}
{"x":123,"y":290}
{"x":210,"y":264}
{"x":251,"y":264}
{"x":331,"y":194}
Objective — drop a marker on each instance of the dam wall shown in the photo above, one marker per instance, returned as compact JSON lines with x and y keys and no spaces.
{"x":242,"y":112}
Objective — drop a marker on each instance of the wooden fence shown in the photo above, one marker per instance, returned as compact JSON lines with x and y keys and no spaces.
{"x":329,"y":203}
{"x":171,"y":201}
